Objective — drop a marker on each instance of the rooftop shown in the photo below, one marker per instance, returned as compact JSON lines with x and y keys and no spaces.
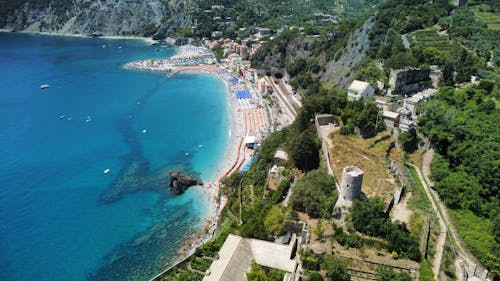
{"x":237,"y":254}
{"x":280,"y":154}
{"x":358,"y":86}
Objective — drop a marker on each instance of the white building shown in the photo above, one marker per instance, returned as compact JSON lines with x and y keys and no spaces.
{"x":236,"y":256}
{"x":359,"y":89}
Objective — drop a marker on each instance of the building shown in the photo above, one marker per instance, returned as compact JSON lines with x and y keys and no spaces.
{"x":350,"y":189}
{"x":324,"y":119}
{"x":359,"y":89}
{"x":403,"y":82}
{"x":280,"y":156}
{"x":217,"y":34}
{"x":391,"y":119}
{"x":250,"y":141}
{"x":237,"y":254}
{"x":326,"y":18}
{"x":412,"y":102}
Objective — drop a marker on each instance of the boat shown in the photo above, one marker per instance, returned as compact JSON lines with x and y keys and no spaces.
{"x":62,"y":116}
{"x":106,"y":171}
{"x":187,"y":154}
{"x":144,"y":131}
{"x":69,"y":118}
{"x":88,"y":119}
{"x":44,"y":86}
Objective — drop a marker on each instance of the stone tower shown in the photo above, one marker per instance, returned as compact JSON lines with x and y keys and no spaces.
{"x":350,"y":189}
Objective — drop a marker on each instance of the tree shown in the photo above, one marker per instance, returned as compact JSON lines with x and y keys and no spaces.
{"x":256,"y":273}
{"x":314,"y":276}
{"x":309,"y":193}
{"x":274,"y":221}
{"x":305,"y":151}
{"x":335,"y":270}
{"x":408,"y":140}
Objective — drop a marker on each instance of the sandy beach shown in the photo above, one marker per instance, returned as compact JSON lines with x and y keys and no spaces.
{"x":247,"y":117}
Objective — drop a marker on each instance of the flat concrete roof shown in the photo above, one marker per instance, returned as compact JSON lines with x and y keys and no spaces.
{"x":358,"y":86}
{"x":237,"y":254}
{"x":390,"y":114}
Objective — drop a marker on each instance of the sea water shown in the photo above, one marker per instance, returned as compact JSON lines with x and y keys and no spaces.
{"x":61,"y":216}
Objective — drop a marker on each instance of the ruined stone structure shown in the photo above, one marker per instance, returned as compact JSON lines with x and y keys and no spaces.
{"x":403,"y":82}
{"x":350,"y":189}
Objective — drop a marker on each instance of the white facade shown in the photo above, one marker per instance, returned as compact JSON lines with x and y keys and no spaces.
{"x":359,"y":89}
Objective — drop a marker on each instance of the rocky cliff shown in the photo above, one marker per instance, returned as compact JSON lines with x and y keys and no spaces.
{"x":98,"y":17}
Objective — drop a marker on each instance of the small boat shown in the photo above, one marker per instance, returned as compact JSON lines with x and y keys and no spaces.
{"x":69,"y":118}
{"x":88,"y":119}
{"x":187,"y":154}
{"x":200,"y":145}
{"x":62,"y":116}
{"x":119,"y":47}
{"x":144,"y":131}
{"x":44,"y":86}
{"x":106,"y":171}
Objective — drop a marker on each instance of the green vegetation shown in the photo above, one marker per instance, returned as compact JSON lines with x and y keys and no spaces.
{"x":426,"y":273}
{"x":259,"y":273}
{"x":463,"y":125}
{"x":313,"y":263}
{"x":315,"y":194}
{"x":368,"y":217}
{"x":385,"y":273}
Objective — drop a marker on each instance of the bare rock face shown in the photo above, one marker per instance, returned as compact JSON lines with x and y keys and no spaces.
{"x":180,"y":182}
{"x":98,"y":17}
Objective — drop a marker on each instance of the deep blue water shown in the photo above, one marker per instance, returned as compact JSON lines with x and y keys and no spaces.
{"x":61,"y":217}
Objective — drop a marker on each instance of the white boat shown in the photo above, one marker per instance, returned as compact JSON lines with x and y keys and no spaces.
{"x":44,"y":86}
{"x":106,"y":171}
{"x":88,"y":119}
{"x":144,"y":131}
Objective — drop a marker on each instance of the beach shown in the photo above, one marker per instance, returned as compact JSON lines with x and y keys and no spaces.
{"x":53,"y":167}
{"x":247,"y":117}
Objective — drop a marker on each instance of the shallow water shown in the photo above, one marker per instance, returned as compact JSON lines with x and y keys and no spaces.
{"x":55,"y":144}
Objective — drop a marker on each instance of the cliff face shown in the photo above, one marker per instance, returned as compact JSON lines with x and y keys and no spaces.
{"x":103,"y":17}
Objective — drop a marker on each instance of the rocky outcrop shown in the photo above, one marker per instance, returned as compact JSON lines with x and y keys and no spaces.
{"x":339,"y":72}
{"x":180,"y":182}
{"x":99,"y":17}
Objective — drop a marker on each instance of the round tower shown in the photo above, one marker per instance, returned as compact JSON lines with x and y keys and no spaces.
{"x":350,"y":189}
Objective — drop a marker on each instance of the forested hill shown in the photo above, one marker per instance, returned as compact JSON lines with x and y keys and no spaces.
{"x":166,"y":17}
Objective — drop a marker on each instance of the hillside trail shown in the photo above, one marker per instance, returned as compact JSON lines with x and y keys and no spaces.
{"x":463,"y":258}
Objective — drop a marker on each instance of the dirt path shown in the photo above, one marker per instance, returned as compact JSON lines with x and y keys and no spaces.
{"x":438,"y":256}
{"x":464,"y":259}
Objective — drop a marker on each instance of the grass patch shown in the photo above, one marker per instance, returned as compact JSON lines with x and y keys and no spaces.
{"x":365,"y":154}
{"x":483,"y":13}
{"x":426,"y":273}
{"x":431,"y":38}
{"x":420,"y":205}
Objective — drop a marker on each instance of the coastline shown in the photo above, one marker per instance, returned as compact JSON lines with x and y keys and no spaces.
{"x":147,"y":40}
{"x":211,"y":188}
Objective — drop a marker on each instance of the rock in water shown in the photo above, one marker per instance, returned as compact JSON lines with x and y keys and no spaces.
{"x":180,"y":182}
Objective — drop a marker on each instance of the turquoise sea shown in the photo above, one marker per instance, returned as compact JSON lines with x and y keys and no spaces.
{"x":61,"y":217}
